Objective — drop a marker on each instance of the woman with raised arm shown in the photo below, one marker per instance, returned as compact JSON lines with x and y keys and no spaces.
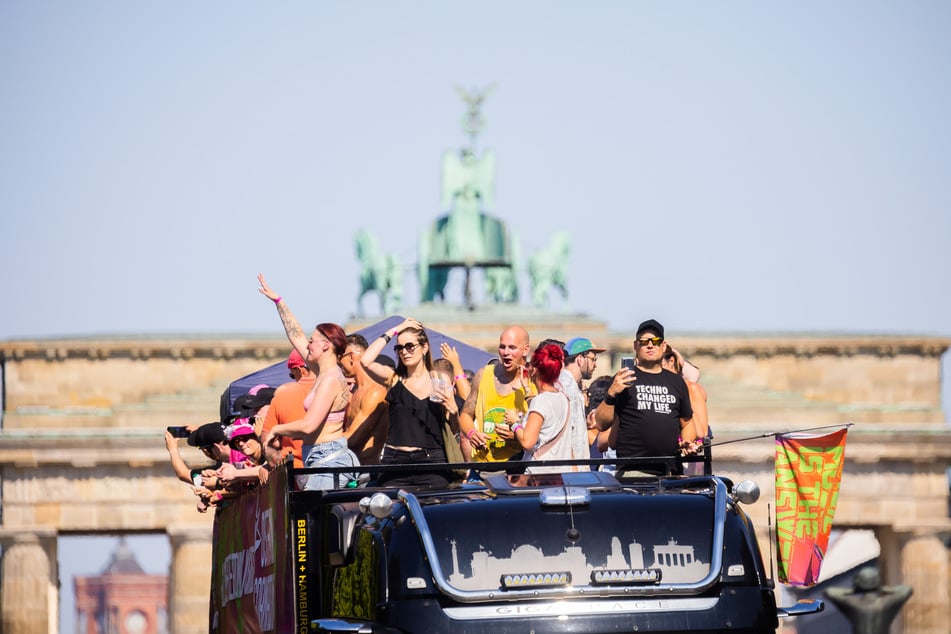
{"x":322,"y":428}
{"x":418,"y":407}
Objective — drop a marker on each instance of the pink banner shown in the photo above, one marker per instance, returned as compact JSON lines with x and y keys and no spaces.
{"x":808,"y":472}
{"x":251,"y":589}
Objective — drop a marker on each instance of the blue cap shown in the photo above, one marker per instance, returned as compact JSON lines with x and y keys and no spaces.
{"x":579,"y":345}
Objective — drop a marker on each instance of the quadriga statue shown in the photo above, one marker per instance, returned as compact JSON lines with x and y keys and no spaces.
{"x":467,"y":236}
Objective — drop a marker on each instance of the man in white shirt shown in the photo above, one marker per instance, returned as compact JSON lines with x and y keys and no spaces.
{"x":581,"y":359}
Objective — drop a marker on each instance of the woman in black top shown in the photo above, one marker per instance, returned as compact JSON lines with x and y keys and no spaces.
{"x":416,"y":420}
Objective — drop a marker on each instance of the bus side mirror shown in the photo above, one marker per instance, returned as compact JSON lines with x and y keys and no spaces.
{"x":340,"y":529}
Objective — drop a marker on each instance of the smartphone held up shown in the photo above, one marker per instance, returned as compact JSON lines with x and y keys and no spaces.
{"x":178,"y":432}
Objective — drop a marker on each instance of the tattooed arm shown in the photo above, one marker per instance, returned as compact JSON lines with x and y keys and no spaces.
{"x":291,"y":326}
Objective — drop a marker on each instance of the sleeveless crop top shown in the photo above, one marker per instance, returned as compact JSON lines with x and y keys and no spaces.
{"x":414,"y":422}
{"x":335,"y":420}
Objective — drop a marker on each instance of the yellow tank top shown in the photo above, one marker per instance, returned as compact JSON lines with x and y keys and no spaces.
{"x":489,"y":412}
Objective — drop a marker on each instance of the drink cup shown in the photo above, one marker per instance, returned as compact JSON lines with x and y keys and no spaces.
{"x":441,"y":385}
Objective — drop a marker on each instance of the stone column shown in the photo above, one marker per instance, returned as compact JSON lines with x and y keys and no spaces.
{"x":30,"y":576}
{"x":924,"y":566}
{"x":189,"y":585}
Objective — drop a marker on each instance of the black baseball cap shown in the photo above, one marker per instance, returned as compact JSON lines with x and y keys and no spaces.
{"x":651,"y":325}
{"x":207,"y":435}
{"x":247,"y":404}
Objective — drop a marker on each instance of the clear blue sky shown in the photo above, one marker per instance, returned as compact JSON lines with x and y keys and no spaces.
{"x":720,"y":166}
{"x":789,"y":164}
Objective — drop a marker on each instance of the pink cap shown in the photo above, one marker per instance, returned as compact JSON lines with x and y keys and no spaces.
{"x":240,"y":427}
{"x":295,"y":361}
{"x":257,"y":388}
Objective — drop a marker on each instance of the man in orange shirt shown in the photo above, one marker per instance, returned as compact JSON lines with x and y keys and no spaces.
{"x":287,"y":405}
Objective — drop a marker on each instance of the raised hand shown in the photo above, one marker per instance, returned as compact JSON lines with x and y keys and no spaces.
{"x":171,"y":442}
{"x":409,"y":322}
{"x":265,"y":290}
{"x":451,"y":355}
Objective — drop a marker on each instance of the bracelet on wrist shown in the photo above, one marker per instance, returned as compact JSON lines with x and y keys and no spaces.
{"x":395,"y":332}
{"x":609,"y":400}
{"x":277,"y":300}
{"x":517,"y":426}
{"x":385,"y":337}
{"x":469,"y":433}
{"x":458,"y":377}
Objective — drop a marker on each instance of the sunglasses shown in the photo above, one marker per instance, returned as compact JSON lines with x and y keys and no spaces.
{"x":654,"y":340}
{"x":408,"y":347}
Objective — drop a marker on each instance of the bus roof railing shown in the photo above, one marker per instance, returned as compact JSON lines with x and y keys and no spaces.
{"x":669,"y":464}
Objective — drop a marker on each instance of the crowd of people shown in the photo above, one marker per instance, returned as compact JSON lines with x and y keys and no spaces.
{"x":348,"y":404}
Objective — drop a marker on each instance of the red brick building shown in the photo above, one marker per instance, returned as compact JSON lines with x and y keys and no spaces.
{"x":123,"y":599}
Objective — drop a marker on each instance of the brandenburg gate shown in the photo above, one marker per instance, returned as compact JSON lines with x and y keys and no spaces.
{"x":82,"y":449}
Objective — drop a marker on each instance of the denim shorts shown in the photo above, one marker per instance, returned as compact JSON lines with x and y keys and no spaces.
{"x":327,"y":454}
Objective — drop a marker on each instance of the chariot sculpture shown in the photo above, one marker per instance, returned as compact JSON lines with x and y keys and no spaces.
{"x":467,"y":236}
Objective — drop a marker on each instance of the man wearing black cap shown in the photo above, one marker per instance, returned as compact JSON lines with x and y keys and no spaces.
{"x":648,"y":408}
{"x":210,"y":440}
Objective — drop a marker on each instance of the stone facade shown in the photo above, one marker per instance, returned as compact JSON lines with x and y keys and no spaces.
{"x":81,"y":446}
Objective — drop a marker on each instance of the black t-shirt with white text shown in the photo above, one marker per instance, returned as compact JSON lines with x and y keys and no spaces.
{"x":649,"y":413}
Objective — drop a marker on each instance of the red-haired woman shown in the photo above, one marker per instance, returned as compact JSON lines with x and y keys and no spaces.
{"x":322,"y":428}
{"x":543,"y":433}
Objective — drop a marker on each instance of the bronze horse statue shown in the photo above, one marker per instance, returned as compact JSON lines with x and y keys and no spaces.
{"x":378,"y":273}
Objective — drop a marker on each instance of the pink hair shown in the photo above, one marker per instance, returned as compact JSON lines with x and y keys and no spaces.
{"x":548,"y":361}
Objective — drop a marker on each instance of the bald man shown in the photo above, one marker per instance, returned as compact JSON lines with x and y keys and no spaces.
{"x":499,"y":397}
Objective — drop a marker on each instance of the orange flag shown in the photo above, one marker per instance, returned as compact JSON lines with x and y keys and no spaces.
{"x":808,"y":472}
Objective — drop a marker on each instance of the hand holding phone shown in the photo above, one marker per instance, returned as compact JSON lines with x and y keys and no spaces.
{"x":626,"y":375}
{"x":178,"y":432}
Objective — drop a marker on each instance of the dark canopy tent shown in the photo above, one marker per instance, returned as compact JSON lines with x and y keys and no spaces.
{"x":472,"y":359}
